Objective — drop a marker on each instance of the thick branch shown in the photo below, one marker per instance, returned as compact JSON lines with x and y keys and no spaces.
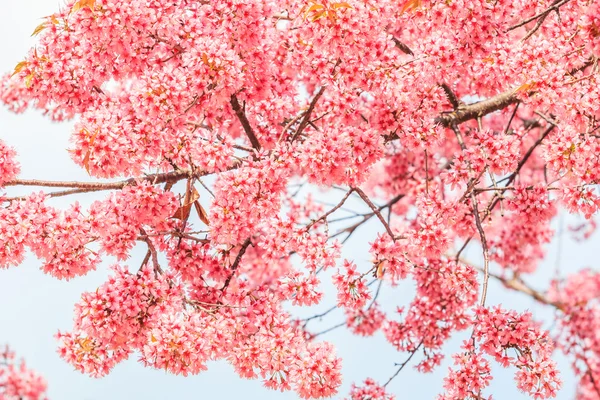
{"x":479,"y":109}
{"x":235,"y":104}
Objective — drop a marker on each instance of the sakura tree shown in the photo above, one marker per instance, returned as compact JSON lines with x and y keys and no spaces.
{"x":212,"y":132}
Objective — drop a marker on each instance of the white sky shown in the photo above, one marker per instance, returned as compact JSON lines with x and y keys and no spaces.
{"x":34,"y":306}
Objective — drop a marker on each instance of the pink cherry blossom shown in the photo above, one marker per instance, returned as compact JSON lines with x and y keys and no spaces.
{"x":17,"y":382}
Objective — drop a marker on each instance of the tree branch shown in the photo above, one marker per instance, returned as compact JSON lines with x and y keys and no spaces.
{"x":513,"y":176}
{"x":412,"y":353}
{"x":478,"y":109}
{"x":172,"y":176}
{"x":556,"y":4}
{"x":84,"y":187}
{"x":518,"y":285}
{"x":486,"y":257}
{"x":328,"y":213}
{"x":235,"y":105}
{"x":376,"y":211}
{"x":455,"y":101}
{"x":236,"y":263}
{"x":308,"y":113}
{"x":367,"y":217}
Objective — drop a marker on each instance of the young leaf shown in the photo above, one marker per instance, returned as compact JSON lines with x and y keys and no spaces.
{"x":525,"y":87}
{"x":28,"y":80}
{"x":380,"y":270}
{"x":86,"y":161}
{"x":39,"y":28}
{"x":341,"y":5}
{"x":19,"y":67}
{"x":81,"y":4}
{"x":313,"y":8}
{"x":410,"y":5}
{"x":319,"y":15}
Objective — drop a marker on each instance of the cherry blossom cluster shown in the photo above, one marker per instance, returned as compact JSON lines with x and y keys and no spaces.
{"x":446,"y":291}
{"x":367,"y":321}
{"x":110,"y":320}
{"x":17,"y":382}
{"x":64,"y":239}
{"x":370,"y":390}
{"x":512,"y":339}
{"x":352,"y":290}
{"x":10,"y":167}
{"x":577,"y":296}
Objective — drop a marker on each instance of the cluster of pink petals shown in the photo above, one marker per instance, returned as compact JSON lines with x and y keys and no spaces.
{"x":578,"y":295}
{"x":365,"y":322}
{"x":9,"y":167}
{"x":472,"y":374}
{"x":500,"y":331}
{"x":352,"y":290}
{"x":512,"y":339}
{"x":445,"y":292}
{"x":70,"y":242}
{"x":17,"y":382}
{"x":369,"y":390}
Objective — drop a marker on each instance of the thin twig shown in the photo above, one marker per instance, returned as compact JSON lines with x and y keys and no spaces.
{"x":412,"y":353}
{"x":152,"y":250}
{"x":236,"y":263}
{"x":463,"y":247}
{"x":512,"y":116}
{"x":308,"y":113}
{"x":512,"y":176}
{"x":367,"y":217}
{"x":556,"y":4}
{"x":376,"y":210}
{"x":329,"y":329}
{"x":376,"y":294}
{"x":486,"y":257}
{"x":321,"y":315}
{"x":328,"y":213}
